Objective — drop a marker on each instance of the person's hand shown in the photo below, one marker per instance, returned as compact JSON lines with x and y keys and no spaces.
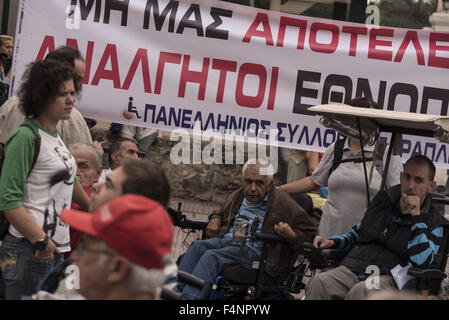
{"x":321,"y":243}
{"x":410,"y":204}
{"x":98,"y":146}
{"x":283,"y":229}
{"x":213,"y":227}
{"x":48,"y":252}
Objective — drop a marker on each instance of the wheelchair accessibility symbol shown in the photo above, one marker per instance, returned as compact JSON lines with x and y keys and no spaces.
{"x":130,"y":113}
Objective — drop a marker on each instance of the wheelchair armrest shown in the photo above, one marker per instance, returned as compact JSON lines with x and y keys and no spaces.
{"x":331,"y":252}
{"x":193,"y":224}
{"x":269,"y":237}
{"x":426,"y":273}
{"x":323,"y":258}
{"x":313,"y":255}
{"x":190,"y":280}
{"x":308,"y":246}
{"x":334,"y":253}
{"x":168,"y":294}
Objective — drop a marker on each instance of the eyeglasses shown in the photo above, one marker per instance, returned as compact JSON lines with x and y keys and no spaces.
{"x":82,"y":247}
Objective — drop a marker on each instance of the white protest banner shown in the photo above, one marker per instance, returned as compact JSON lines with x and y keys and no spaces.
{"x":171,"y":64}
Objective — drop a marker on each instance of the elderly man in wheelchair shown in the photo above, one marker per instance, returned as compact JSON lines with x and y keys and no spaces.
{"x":254,"y":208}
{"x":401,"y":233}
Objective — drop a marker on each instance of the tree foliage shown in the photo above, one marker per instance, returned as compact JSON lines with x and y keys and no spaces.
{"x":413,"y":14}
{"x":320,"y":10}
{"x":264,"y":4}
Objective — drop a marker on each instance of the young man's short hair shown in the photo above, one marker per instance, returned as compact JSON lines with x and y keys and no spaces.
{"x":420,"y":159}
{"x":145,"y":178}
{"x":115,"y":147}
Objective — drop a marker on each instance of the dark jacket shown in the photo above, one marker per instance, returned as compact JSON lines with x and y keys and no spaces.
{"x":386,"y":237}
{"x":280,"y":208}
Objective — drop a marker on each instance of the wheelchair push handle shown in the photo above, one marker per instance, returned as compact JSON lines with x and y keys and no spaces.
{"x":168,"y":294}
{"x":426,"y":273}
{"x":193,"y":224}
{"x":269,"y":237}
{"x":190,"y":280}
{"x":181,"y":221}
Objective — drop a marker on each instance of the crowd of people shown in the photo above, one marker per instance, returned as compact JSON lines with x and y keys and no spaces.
{"x":6,"y":50}
{"x":61,"y":207}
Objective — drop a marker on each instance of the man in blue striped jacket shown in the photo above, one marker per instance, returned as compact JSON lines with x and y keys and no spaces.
{"x":400,"y":226}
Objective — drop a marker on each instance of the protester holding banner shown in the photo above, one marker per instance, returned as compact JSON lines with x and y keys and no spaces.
{"x":6,"y":49}
{"x":38,"y":179}
{"x":347,"y":202}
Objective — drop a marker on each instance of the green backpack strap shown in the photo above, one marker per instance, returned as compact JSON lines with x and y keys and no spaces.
{"x":4,"y":223}
{"x":37,"y":144}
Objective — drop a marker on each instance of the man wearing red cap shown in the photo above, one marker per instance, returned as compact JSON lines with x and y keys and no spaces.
{"x":125,"y":249}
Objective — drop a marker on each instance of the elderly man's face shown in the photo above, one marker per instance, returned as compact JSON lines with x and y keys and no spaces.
{"x":87,"y":171}
{"x":91,"y":257}
{"x":254,"y":185}
{"x":108,"y":190}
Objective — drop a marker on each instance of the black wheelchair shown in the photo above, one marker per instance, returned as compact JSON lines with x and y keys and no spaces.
{"x":242,"y":282}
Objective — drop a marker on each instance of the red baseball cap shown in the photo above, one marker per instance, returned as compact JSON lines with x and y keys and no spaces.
{"x":136,"y":227}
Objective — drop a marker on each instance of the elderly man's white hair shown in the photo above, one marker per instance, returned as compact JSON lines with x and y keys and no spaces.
{"x":150,"y":281}
{"x":264,"y":167}
{"x":90,"y":147}
{"x":142,"y":280}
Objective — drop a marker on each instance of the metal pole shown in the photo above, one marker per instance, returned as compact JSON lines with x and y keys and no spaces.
{"x":364,"y":164}
{"x":251,"y":3}
{"x":5,"y":16}
{"x":387,"y":164}
{"x":339,"y":11}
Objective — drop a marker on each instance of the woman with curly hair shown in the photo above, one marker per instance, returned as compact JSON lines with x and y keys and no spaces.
{"x":38,"y":179}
